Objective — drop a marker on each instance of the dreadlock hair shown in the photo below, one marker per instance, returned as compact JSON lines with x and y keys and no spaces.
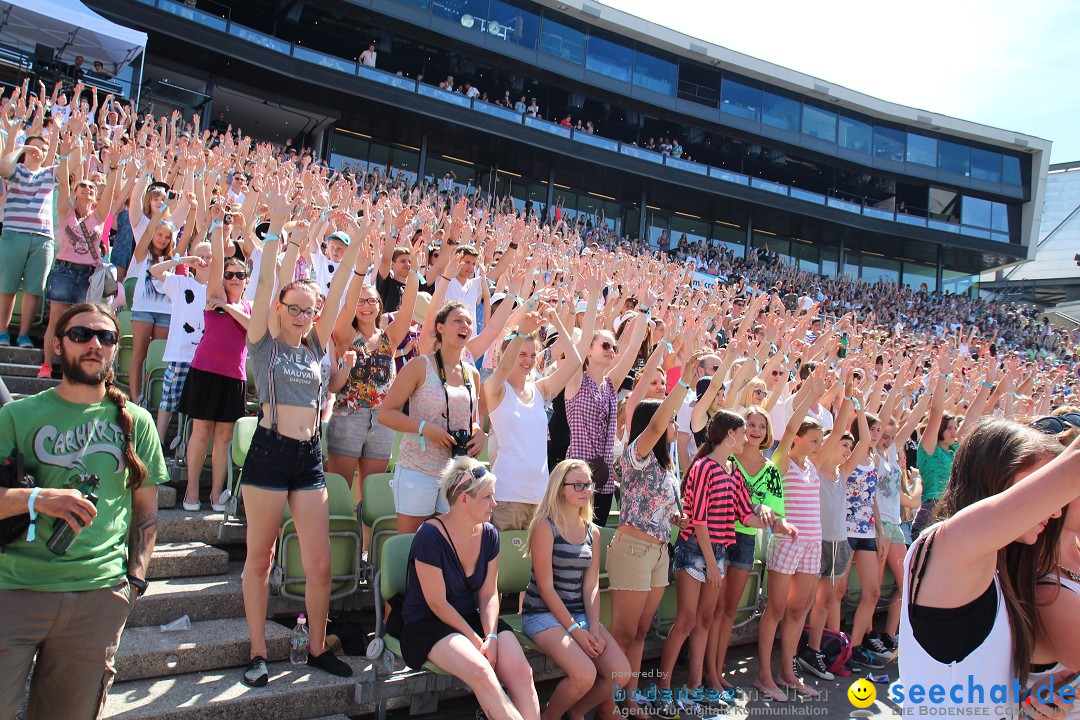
{"x":136,"y":469}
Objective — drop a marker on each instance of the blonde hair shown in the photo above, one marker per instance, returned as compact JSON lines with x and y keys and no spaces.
{"x":746,"y":399}
{"x":459,"y":477}
{"x":551,"y":506}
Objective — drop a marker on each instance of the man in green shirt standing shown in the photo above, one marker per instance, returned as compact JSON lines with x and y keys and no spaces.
{"x":69,"y":609}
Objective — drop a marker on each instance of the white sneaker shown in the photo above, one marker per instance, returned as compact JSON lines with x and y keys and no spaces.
{"x":223,"y":501}
{"x":192,"y":507}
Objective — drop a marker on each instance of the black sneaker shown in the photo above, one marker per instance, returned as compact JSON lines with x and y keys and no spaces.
{"x":862,"y":655}
{"x":874,"y":643}
{"x":329,"y":662}
{"x":665,"y":709}
{"x":256,"y":674}
{"x":814,"y":663}
{"x":889,"y":641}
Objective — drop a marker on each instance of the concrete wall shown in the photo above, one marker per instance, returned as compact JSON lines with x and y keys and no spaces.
{"x":1059,"y":232}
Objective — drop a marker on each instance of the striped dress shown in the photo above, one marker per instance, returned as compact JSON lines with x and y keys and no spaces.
{"x":802,"y":500}
{"x":569,"y":561}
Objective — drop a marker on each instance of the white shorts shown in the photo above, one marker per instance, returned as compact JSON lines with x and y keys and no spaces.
{"x":417,"y":494}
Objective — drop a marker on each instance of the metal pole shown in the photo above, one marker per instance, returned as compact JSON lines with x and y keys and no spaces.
{"x":423,"y":157}
{"x":748,"y":243}
{"x":138,"y":87}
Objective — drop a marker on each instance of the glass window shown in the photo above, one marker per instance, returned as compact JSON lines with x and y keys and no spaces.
{"x":470,"y":14}
{"x":875,"y":268}
{"x":819,"y":123}
{"x":609,"y":58}
{"x":921,"y":150}
{"x":656,"y":74}
{"x":916,"y":276}
{"x":954,"y":157}
{"x":855,"y":134}
{"x":740,"y":99}
{"x":424,"y":4}
{"x":731,"y":239}
{"x":851,"y":266}
{"x":976,"y":212}
{"x":944,"y":205}
{"x":513,"y":23}
{"x":780,"y":111}
{"x":562,"y":41}
{"x":828,"y":261}
{"x":999,"y":217}
{"x":985,"y":165}
{"x":806,"y":256}
{"x":888,"y":143}
{"x":1010,"y":170}
{"x":958,"y":282}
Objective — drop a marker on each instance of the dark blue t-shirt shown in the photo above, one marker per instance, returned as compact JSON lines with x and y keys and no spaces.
{"x":431,"y":547}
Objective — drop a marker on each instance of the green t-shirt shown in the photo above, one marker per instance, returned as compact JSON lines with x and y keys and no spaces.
{"x":935,"y":470}
{"x":63,"y":444}
{"x":767,"y":488}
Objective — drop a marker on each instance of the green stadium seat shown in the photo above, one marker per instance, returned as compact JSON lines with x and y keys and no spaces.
{"x":243,"y":431}
{"x":154,"y":375}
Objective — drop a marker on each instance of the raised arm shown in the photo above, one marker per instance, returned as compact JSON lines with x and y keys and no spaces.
{"x":280,"y":209}
{"x":351,"y":259}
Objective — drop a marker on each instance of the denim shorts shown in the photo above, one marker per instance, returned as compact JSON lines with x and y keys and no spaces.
{"x":157,"y":319}
{"x":532,"y":624}
{"x":689,"y":557}
{"x":276,"y":462}
{"x":417,"y":494}
{"x":893,"y":532}
{"x":864,"y":544}
{"x":68,"y":282}
{"x":741,"y":554}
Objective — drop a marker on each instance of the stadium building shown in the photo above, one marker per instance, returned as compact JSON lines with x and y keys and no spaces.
{"x":839,"y":181}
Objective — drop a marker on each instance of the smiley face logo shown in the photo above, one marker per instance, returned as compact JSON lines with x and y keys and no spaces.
{"x":862,"y":693}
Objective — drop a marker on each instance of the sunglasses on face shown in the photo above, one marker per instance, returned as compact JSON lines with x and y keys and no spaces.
{"x":238,"y":274}
{"x":777,"y":373}
{"x":81,"y":334}
{"x":581,"y":487}
{"x":296,"y":311}
{"x":1055,"y":425}
{"x":605,"y":346}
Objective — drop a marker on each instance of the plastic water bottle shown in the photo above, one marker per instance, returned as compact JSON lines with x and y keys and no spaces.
{"x":63,"y":535}
{"x":298,"y":645}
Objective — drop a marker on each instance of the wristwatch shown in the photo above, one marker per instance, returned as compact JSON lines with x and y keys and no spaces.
{"x":140,"y":585}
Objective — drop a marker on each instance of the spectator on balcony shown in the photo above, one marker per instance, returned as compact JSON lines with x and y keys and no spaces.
{"x":676,"y":148}
{"x":471,"y":91}
{"x":519,"y":106}
{"x":566,"y":122}
{"x":589,"y":127}
{"x":100,"y":72}
{"x":533,"y":108}
{"x":368,"y":57}
{"x":219,"y":124}
{"x":78,"y":69}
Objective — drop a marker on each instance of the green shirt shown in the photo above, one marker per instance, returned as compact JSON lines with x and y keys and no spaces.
{"x":767,"y":488}
{"x":935,"y":470}
{"x":63,"y":444}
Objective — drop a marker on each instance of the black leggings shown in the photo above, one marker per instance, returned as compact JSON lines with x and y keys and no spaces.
{"x":601,"y":508}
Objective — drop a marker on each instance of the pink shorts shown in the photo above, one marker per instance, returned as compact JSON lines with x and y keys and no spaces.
{"x":787,"y":556}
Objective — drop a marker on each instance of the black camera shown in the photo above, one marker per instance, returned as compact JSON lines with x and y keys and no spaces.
{"x":227,"y":219}
{"x":461,"y":442}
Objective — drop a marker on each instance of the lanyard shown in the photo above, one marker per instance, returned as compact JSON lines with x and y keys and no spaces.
{"x":446,"y":393}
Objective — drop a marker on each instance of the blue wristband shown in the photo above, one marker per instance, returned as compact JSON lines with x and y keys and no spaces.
{"x":420,"y":432}
{"x":269,"y":237}
{"x":31,"y":532}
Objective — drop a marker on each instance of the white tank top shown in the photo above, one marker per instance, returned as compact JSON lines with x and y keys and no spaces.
{"x":989,"y":664}
{"x":521,"y":430}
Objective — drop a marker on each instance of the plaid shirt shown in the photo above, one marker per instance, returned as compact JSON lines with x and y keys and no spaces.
{"x":591,"y":416}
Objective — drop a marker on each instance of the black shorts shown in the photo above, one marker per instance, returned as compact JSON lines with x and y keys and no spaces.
{"x":420,"y":636}
{"x":276,"y":462}
{"x":213,"y":397}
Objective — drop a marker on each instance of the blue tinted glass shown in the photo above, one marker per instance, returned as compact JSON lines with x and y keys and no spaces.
{"x":608,"y":58}
{"x":855,"y":134}
{"x":1010,"y":172}
{"x":819,"y":123}
{"x":425,"y":4}
{"x":954,"y":157}
{"x":471,"y":14}
{"x":976,"y":211}
{"x":888,"y":143}
{"x":739,"y":99}
{"x":999,"y":216}
{"x":921,"y":149}
{"x":653,"y":73}
{"x":562,"y":41}
{"x":780,"y":112}
{"x":513,"y":24}
{"x":985,"y":165}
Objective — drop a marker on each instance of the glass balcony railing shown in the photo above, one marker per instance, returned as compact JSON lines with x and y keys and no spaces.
{"x":223,"y":23}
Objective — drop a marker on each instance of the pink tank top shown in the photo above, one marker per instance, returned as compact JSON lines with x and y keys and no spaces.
{"x":429,"y":403}
{"x":81,"y":242}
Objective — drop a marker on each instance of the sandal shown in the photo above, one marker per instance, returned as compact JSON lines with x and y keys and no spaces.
{"x":767,"y":694}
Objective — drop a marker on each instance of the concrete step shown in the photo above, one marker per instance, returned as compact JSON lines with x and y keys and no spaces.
{"x":9,"y":370}
{"x":20,"y":356}
{"x":295,"y":691}
{"x":146,"y":652}
{"x":166,"y":497}
{"x":200,"y":598}
{"x":193,"y":559}
{"x":28,"y":385}
{"x":179,"y":525}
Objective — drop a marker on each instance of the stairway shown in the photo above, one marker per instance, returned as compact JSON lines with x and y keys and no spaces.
{"x":19,"y":368}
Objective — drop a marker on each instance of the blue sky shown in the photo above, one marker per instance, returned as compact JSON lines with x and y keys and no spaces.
{"x":1012,"y":65}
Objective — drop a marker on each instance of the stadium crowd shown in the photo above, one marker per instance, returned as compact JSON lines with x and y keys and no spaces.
{"x":838,"y":416}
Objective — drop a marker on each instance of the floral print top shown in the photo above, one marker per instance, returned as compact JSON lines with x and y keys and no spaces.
{"x":370,"y":377}
{"x":650,"y":494}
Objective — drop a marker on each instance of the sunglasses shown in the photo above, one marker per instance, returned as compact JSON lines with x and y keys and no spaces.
{"x":82,"y":334}
{"x":777,"y":373}
{"x":477,"y":473}
{"x":238,"y":274}
{"x":605,"y":346}
{"x":296,"y":311}
{"x":581,"y":487}
{"x":1057,"y":424}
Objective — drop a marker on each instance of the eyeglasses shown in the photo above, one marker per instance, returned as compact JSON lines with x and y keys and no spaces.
{"x":82,"y":334}
{"x":296,"y":311}
{"x":368,"y":301}
{"x":581,"y":487}
{"x":605,"y":346}
{"x":238,"y":274}
{"x":1056,"y":424}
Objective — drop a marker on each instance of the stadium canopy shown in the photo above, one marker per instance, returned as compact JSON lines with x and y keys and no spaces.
{"x":71,"y":29}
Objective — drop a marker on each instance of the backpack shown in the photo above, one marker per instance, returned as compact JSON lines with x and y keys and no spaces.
{"x":836,"y":646}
